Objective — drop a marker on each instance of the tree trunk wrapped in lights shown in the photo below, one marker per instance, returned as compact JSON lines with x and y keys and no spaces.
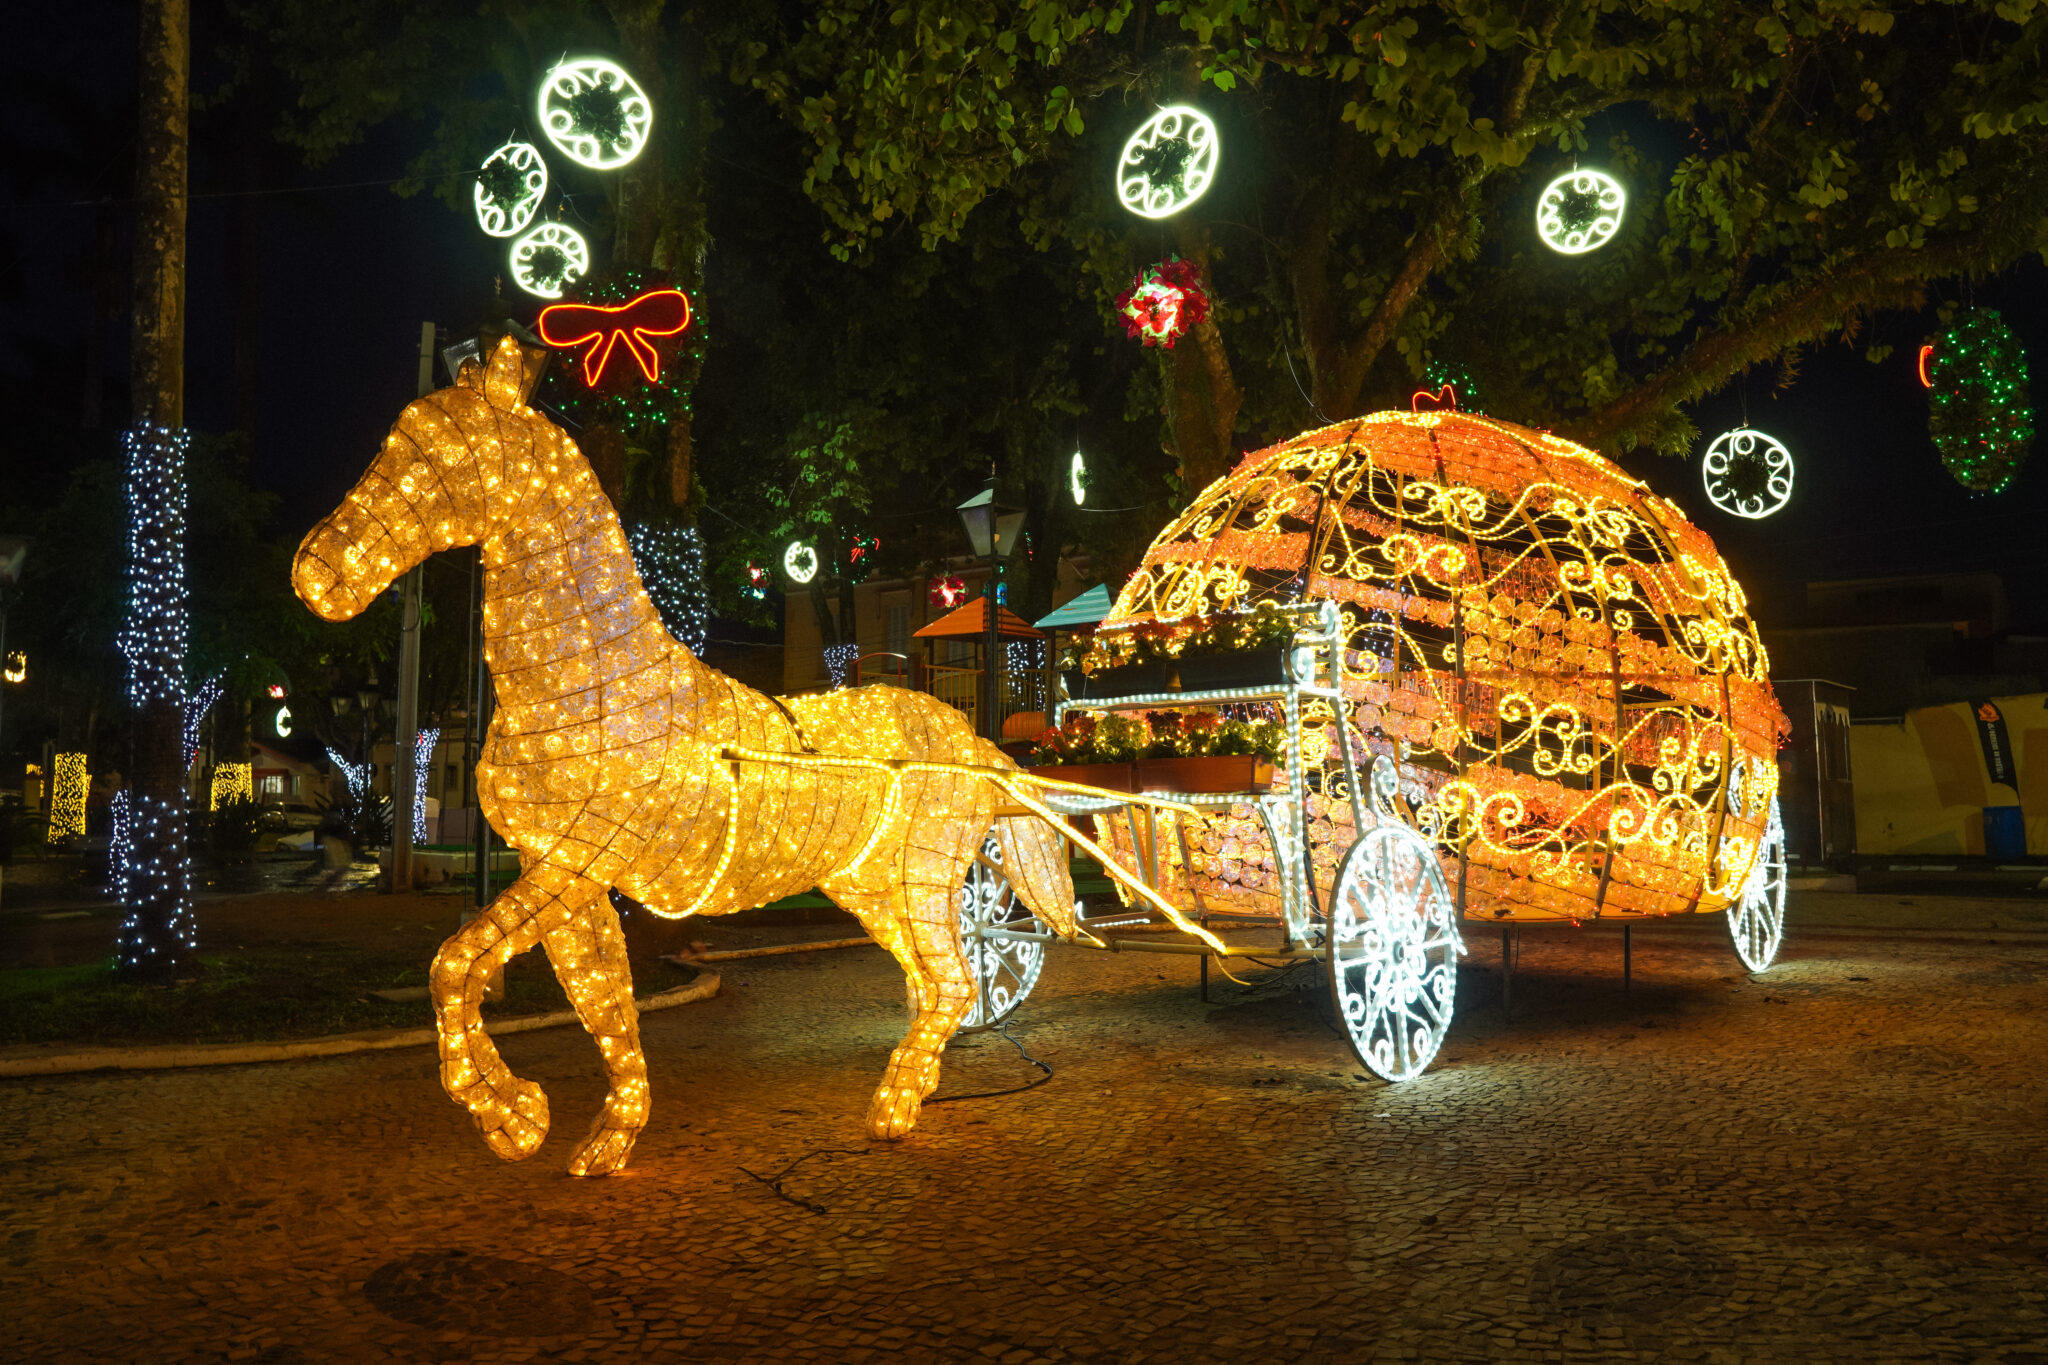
{"x":157,"y":932}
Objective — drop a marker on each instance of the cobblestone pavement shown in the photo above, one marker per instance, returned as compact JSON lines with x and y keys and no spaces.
{"x":1839,"y":1161}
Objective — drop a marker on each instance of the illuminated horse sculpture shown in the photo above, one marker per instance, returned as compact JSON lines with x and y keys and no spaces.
{"x":603,"y":764}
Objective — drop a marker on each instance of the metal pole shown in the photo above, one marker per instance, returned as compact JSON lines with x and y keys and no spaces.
{"x":405,"y":733}
{"x":989,"y":729}
{"x":1507,"y":972}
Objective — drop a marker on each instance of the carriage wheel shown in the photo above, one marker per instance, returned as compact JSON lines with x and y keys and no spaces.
{"x":1004,"y":970}
{"x":1756,"y":919}
{"x":1393,"y":951}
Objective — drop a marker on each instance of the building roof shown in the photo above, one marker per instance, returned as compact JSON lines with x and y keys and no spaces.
{"x":969,"y":621}
{"x":1085,"y":610}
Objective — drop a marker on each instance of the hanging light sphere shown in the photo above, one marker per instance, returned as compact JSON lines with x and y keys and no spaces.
{"x":1579,"y":211}
{"x":594,"y":113}
{"x":509,"y":187}
{"x":1077,"y":479}
{"x":1168,"y":163}
{"x":1747,"y":473}
{"x":549,"y":259}
{"x":800,"y":562}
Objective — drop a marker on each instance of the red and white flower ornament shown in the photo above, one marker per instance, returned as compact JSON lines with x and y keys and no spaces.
{"x":1163,"y":302}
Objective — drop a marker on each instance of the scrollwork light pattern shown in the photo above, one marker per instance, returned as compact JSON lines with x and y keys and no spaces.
{"x":1561,"y":661}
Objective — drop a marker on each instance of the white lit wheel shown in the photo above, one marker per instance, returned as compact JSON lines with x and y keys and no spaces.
{"x":1168,"y":163}
{"x":1580,"y":211}
{"x":549,"y":259}
{"x":1756,"y":919}
{"x":1393,"y":951}
{"x":1747,"y":473}
{"x":1004,"y":969}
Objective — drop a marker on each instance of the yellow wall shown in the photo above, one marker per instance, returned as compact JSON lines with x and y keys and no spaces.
{"x":1921,"y":786}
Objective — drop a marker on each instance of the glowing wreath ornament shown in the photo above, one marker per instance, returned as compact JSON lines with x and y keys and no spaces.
{"x":616,"y":759}
{"x":1579,"y":211}
{"x":1077,"y":479}
{"x":800,"y":562}
{"x":1747,"y":473}
{"x":1163,"y":302}
{"x":549,"y":259}
{"x":1168,"y":163}
{"x":509,"y":187}
{"x":594,"y":113}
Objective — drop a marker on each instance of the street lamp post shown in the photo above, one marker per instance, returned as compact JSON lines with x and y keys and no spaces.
{"x":992,"y":530}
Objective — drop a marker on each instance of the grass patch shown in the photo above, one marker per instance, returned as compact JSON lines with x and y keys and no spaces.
{"x":258,"y":995}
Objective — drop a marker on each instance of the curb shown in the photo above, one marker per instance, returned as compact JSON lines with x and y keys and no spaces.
{"x":340,"y":1044}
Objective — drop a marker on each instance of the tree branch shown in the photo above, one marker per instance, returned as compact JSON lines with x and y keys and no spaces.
{"x":1892,"y":278}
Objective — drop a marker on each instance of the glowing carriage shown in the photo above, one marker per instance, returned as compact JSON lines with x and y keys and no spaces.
{"x":1548,"y":669}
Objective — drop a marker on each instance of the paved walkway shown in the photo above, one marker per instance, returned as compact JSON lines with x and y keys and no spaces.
{"x":1840,"y":1161}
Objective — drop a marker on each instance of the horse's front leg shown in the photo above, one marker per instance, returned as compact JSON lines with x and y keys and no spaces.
{"x":511,"y":1113}
{"x":589,"y":958}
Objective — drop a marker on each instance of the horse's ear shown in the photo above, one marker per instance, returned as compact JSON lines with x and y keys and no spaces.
{"x":514,"y":371}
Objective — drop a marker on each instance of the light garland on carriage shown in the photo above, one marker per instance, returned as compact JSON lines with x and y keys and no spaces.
{"x":595,"y":113}
{"x":509,"y":188}
{"x":1517,"y":576}
{"x":549,"y":259}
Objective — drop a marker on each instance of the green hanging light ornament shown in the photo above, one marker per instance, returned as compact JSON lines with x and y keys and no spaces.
{"x":1979,"y":410}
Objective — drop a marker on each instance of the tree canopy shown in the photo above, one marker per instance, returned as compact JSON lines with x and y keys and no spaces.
{"x":1794,"y":167}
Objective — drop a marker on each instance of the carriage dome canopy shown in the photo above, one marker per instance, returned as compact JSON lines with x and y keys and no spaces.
{"x":1561,"y":662}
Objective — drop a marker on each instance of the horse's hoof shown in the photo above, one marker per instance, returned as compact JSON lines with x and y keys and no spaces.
{"x":893,"y":1113}
{"x":517,"y":1133}
{"x":604,"y":1151}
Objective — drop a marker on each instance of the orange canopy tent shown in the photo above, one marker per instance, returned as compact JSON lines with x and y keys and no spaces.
{"x":970,"y":621}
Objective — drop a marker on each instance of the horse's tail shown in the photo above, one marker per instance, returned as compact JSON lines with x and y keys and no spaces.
{"x":1035,"y":856}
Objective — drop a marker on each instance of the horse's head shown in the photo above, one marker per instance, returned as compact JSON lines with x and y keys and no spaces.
{"x":456,"y":465}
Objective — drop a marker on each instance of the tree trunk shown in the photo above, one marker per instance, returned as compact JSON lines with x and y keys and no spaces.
{"x":1202,"y":397}
{"x":156,"y":935}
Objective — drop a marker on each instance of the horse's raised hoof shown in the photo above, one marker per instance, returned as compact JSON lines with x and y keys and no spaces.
{"x":894,"y":1110}
{"x":604,"y":1151}
{"x":518,"y":1134}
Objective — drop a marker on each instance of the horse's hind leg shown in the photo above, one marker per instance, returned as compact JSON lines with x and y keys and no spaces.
{"x":589,"y":958}
{"x":512,"y":1113}
{"x":919,"y":925}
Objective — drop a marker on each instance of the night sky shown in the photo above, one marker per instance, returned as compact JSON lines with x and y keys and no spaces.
{"x":349,"y":274}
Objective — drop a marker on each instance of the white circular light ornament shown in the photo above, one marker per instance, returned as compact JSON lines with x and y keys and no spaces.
{"x":1747,"y":473}
{"x":283,"y":723}
{"x":1579,"y":211}
{"x":549,"y":259}
{"x":800,"y":562}
{"x":509,"y":187}
{"x":1077,"y":479}
{"x":594,"y":113}
{"x":1168,"y":163}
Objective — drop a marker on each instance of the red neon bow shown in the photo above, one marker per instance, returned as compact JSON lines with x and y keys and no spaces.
{"x":658,"y":313}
